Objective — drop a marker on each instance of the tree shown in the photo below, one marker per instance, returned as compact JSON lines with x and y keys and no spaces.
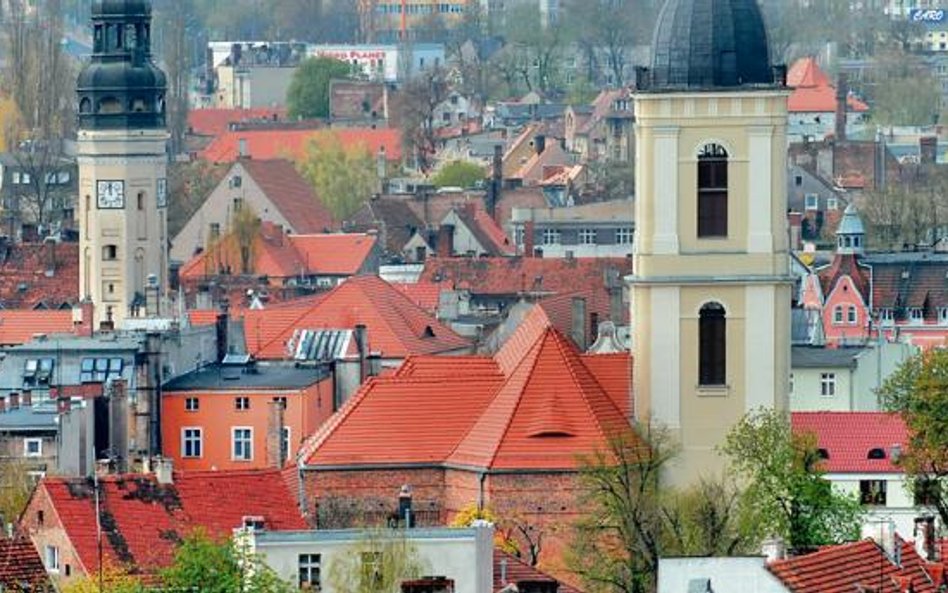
{"x":414,"y":106}
{"x":245,"y":225}
{"x":40,"y":160}
{"x":786,"y":494}
{"x":114,"y":580}
{"x":904,"y":92}
{"x":16,"y":486}
{"x":472,"y":513}
{"x":607,"y":30}
{"x":377,"y":563}
{"x":176,"y":25}
{"x":459,"y":174}
{"x":308,"y":94}
{"x":918,"y":391}
{"x":344,"y":177}
{"x":633,"y":519}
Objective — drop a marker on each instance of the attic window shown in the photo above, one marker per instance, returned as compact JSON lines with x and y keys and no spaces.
{"x":428,"y":333}
{"x":876,"y":453}
{"x":253,"y":523}
{"x":551,"y":432}
{"x":822,"y":453}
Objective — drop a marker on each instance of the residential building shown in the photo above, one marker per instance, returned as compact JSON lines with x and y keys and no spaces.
{"x":843,"y":379}
{"x":272,"y":189}
{"x":358,"y":102}
{"x":747,"y":574}
{"x":860,"y":452}
{"x":486,"y":430}
{"x":597,"y":229}
{"x":815,"y":103}
{"x":711,"y":285}
{"x":239,"y":414}
{"x":386,"y":63}
{"x":122,"y":154}
{"x":21,"y":568}
{"x":28,"y":433}
{"x":34,"y":184}
{"x":464,"y":231}
{"x":604,"y":131}
{"x":818,"y":205}
{"x":148,"y":515}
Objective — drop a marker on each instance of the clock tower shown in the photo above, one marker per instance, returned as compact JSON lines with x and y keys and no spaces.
{"x":122,"y":166}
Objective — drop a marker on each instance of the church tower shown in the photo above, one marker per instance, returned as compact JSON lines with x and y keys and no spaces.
{"x":711,"y":285}
{"x":122,"y":162}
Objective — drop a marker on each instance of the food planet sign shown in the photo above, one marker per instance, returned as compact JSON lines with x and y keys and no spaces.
{"x":927,"y":15}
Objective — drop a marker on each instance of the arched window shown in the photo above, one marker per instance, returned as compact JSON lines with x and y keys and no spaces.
{"x":110,"y":105}
{"x":85,"y":105}
{"x":712,"y":191}
{"x":712,"y":345}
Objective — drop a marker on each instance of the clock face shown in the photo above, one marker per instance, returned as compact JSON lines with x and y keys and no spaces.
{"x":162,"y":192}
{"x":111,"y":194}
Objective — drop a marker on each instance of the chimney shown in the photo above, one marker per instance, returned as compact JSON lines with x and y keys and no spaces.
{"x":842,"y":96}
{"x":616,"y":306}
{"x":14,"y":400}
{"x":85,"y":325}
{"x":63,"y":405}
{"x":27,"y":398}
{"x":221,"y":325}
{"x":795,"y":224}
{"x":539,"y":143}
{"x":928,"y":149}
{"x":3,"y":405}
{"x":276,"y":455}
{"x":578,"y":322}
{"x":496,"y":181}
{"x":361,"y":338}
{"x":528,"y":238}
{"x":925,"y":537}
{"x":445,"y":246}
{"x":883,"y":533}
{"x":164,"y":470}
{"x":405,"y":512}
{"x":774,"y":549}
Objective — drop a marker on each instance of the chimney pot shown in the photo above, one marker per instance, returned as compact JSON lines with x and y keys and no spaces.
{"x":14,"y":401}
{"x":27,"y":398}
{"x":164,"y":470}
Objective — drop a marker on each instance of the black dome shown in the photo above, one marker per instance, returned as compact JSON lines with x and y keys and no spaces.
{"x":120,"y":8}
{"x":120,"y":76}
{"x":710,"y":44}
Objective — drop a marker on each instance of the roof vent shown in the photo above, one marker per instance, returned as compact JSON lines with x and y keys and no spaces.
{"x":876,"y":453}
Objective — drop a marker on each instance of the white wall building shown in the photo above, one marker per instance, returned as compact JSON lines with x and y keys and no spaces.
{"x":747,"y":574}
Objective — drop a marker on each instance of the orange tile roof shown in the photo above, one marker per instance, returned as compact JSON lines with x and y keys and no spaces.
{"x":20,"y":566}
{"x":396,"y":326}
{"x":27,"y":279}
{"x":858,"y":566}
{"x":19,"y":325}
{"x":534,"y":405}
{"x":216,"y":121}
{"x":805,"y":72}
{"x":426,"y":295}
{"x":276,"y":144}
{"x":148,"y":518}
{"x":293,"y":196}
{"x":339,"y":254}
{"x":812,"y":90}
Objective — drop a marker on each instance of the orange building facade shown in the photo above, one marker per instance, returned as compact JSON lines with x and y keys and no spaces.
{"x":228,"y":418}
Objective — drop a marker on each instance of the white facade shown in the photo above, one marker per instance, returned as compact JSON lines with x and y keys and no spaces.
{"x":899,"y":505}
{"x":731,"y":575}
{"x":464,"y":555}
{"x":384,"y":62}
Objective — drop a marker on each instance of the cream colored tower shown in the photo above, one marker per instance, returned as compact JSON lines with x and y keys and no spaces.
{"x":711,"y":287}
{"x":122,"y":166}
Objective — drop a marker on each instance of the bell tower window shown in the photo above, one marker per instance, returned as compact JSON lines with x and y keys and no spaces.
{"x":712,"y":191}
{"x":712,"y":345}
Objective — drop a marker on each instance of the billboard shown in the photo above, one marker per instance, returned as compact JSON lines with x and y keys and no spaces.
{"x":932,"y":16}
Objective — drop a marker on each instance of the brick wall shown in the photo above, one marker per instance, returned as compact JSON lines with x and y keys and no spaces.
{"x":41,"y":523}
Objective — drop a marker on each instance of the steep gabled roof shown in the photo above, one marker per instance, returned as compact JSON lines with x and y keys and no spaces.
{"x":396,"y":327}
{"x":848,"y":437}
{"x":812,"y":90}
{"x":857,"y":566}
{"x":535,"y":405}
{"x":144,"y":520}
{"x":845,"y":264}
{"x":277,"y":144}
{"x":909,"y":280}
{"x":20,"y":566}
{"x":291,"y":194}
{"x":517,"y":572}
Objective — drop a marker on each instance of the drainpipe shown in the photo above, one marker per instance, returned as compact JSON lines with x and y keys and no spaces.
{"x":480,"y":491}
{"x":301,"y":490}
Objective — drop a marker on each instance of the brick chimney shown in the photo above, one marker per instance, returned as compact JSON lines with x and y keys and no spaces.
{"x":578,"y":322}
{"x":446,"y":240}
{"x":26,"y":398}
{"x":925,"y":537}
{"x":842,"y":96}
{"x":3,"y":405}
{"x":14,"y":400}
{"x":528,"y":238}
{"x":85,"y":324}
{"x":795,"y":225}
{"x":63,"y":405}
{"x":275,"y":423}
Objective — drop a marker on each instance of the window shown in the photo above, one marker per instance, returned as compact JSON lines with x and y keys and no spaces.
{"x":812,"y":202}
{"x":837,"y":314}
{"x":872,"y":492}
{"x":241,"y":403}
{"x":285,"y":442}
{"x":214,"y":231}
{"x":887,"y":315}
{"x":16,"y":178}
{"x":242,"y":444}
{"x":791,"y":382}
{"x":140,"y":201}
{"x":587,"y":236}
{"x":712,"y":191}
{"x":943,"y":315}
{"x":100,"y":370}
{"x":51,"y":557}
{"x":518,"y":235}
{"x":916,"y":315}
{"x":371,"y":571}
{"x":192,"y":442}
{"x":827,"y":384}
{"x":236,"y":181}
{"x":832,"y":204}
{"x":238,"y":204}
{"x":192,"y":404}
{"x":32,"y":447}
{"x":624,"y":236}
{"x":712,"y":338}
{"x":798,"y":180}
{"x":38,"y":371}
{"x":309,"y":571}
{"x":851,"y":315}
{"x":551,"y":236}
{"x":109,"y":252}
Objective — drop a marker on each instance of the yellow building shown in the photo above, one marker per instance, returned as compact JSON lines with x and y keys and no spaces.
{"x":122,"y":161}
{"x":385,"y":20}
{"x":711,"y":286}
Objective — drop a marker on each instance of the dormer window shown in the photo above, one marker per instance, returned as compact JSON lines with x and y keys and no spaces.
{"x":916,"y":315}
{"x":253,"y":523}
{"x":943,"y":315}
{"x":886,"y":315}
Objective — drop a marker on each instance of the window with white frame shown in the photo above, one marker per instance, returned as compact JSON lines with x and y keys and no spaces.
{"x":308,"y":568}
{"x":916,"y":315}
{"x":837,"y":314}
{"x":192,"y":404}
{"x":518,"y":235}
{"x":851,"y":315}
{"x":812,"y":202}
{"x":624,"y":236}
{"x":51,"y":558}
{"x":551,"y":236}
{"x":886,"y":315}
{"x":242,"y":440}
{"x":99,"y":370}
{"x":587,"y":236}
{"x":285,"y":443}
{"x":242,"y":403}
{"x":832,"y":204}
{"x":32,"y":447}
{"x":192,"y":442}
{"x":943,"y":315}
{"x":827,"y":384}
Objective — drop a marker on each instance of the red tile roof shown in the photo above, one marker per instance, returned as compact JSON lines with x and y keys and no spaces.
{"x":516,"y":571}
{"x":849,"y":436}
{"x":845,"y":265}
{"x":424,"y":294}
{"x":275,"y":144}
{"x":291,"y":194}
{"x":19,"y":325}
{"x":35,"y":274}
{"x":143,"y":520}
{"x":517,"y":275}
{"x":812,"y":90}
{"x":214,"y":122}
{"x":857,"y":566}
{"x":396,"y":327}
{"x":534,"y":405}
{"x":20,"y":566}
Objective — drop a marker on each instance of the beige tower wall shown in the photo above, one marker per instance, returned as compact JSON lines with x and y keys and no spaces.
{"x":138,"y":158}
{"x":676,"y":273}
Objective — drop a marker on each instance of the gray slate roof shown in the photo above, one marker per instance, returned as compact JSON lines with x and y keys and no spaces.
{"x":807,"y":357}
